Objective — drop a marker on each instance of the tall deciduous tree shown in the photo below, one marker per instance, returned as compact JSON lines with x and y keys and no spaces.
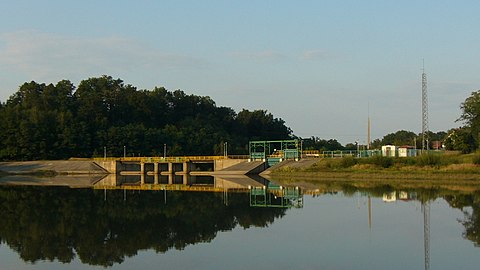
{"x":471,"y":115}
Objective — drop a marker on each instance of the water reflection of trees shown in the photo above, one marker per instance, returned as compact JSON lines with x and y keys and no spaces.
{"x":60,"y":223}
{"x":470,"y":205}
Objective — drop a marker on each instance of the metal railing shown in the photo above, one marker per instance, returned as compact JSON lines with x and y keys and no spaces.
{"x":170,"y":159}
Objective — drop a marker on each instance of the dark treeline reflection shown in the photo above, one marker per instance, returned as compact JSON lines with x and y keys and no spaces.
{"x":467,"y":202}
{"x":60,"y":223}
{"x":470,"y":205}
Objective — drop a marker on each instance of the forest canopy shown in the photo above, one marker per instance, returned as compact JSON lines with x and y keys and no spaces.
{"x":59,"y":121}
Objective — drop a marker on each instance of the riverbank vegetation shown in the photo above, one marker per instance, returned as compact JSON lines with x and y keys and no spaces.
{"x":448,"y":164}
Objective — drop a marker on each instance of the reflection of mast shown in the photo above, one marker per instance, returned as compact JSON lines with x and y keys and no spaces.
{"x":225,"y":197}
{"x":369,"y":212}
{"x":426,"y":233}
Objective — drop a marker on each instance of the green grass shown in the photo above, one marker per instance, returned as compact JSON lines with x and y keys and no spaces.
{"x":432,"y":163}
{"x":476,"y":158}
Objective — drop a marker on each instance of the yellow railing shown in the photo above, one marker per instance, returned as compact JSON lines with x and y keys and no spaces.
{"x":310,"y":153}
{"x":171,"y":159}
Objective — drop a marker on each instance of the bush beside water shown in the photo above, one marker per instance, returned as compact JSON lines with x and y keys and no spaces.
{"x":476,"y":159}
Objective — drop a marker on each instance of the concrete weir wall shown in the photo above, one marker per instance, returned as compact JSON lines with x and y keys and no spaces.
{"x":226,"y":163}
{"x":102,"y":167}
{"x":135,"y":168}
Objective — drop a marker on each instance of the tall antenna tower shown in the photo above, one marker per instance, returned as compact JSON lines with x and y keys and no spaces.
{"x":424,"y":110}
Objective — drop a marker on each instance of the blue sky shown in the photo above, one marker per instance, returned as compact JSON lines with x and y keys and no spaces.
{"x":321,"y":66}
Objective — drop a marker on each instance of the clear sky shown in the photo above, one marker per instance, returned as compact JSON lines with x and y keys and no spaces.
{"x":322,"y":66}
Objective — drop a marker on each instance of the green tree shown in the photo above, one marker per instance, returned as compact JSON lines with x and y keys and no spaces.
{"x":401,"y":137}
{"x":460,"y":139}
{"x":315,"y":143}
{"x":471,"y":116}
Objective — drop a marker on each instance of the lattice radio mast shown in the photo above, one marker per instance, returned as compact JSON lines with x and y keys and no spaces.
{"x":424,"y":110}
{"x":426,"y":204}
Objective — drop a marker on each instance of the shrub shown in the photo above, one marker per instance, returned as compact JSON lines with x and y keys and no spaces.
{"x":333,"y":163}
{"x":347,"y":162}
{"x":381,"y":161}
{"x":323,"y":164}
{"x":476,"y":159}
{"x":429,"y":160}
{"x":406,"y":161}
{"x":450,"y":159}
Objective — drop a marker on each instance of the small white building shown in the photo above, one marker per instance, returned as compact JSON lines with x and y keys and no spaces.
{"x":389,"y":151}
{"x":407,"y":151}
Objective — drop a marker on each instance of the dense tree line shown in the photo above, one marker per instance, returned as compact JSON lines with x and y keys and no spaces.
{"x":399,"y":138}
{"x":315,"y":143}
{"x":59,"y":121}
{"x":403,"y":137}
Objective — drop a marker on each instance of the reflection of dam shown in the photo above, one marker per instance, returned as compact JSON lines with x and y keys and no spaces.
{"x":263,"y":193}
{"x":181,"y":173}
{"x":275,"y":196}
{"x":239,"y":183}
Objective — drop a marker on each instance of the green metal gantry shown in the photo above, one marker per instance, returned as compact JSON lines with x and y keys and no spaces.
{"x":282,"y":149}
{"x":276,"y":196}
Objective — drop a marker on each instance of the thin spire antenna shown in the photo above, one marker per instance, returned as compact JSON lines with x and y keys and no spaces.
{"x":369,"y":127}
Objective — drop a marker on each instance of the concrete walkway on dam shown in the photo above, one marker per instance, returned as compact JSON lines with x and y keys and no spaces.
{"x":57,"y":166}
{"x":243,"y":168}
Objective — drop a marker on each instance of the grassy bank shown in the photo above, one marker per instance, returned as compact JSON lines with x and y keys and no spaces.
{"x":430,"y":166}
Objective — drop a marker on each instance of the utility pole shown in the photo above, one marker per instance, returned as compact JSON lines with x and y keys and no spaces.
{"x":164,"y":150}
{"x":301,"y":148}
{"x":358,"y":148}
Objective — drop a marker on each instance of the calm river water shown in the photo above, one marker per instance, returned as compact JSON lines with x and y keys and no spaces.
{"x":345,"y":227}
